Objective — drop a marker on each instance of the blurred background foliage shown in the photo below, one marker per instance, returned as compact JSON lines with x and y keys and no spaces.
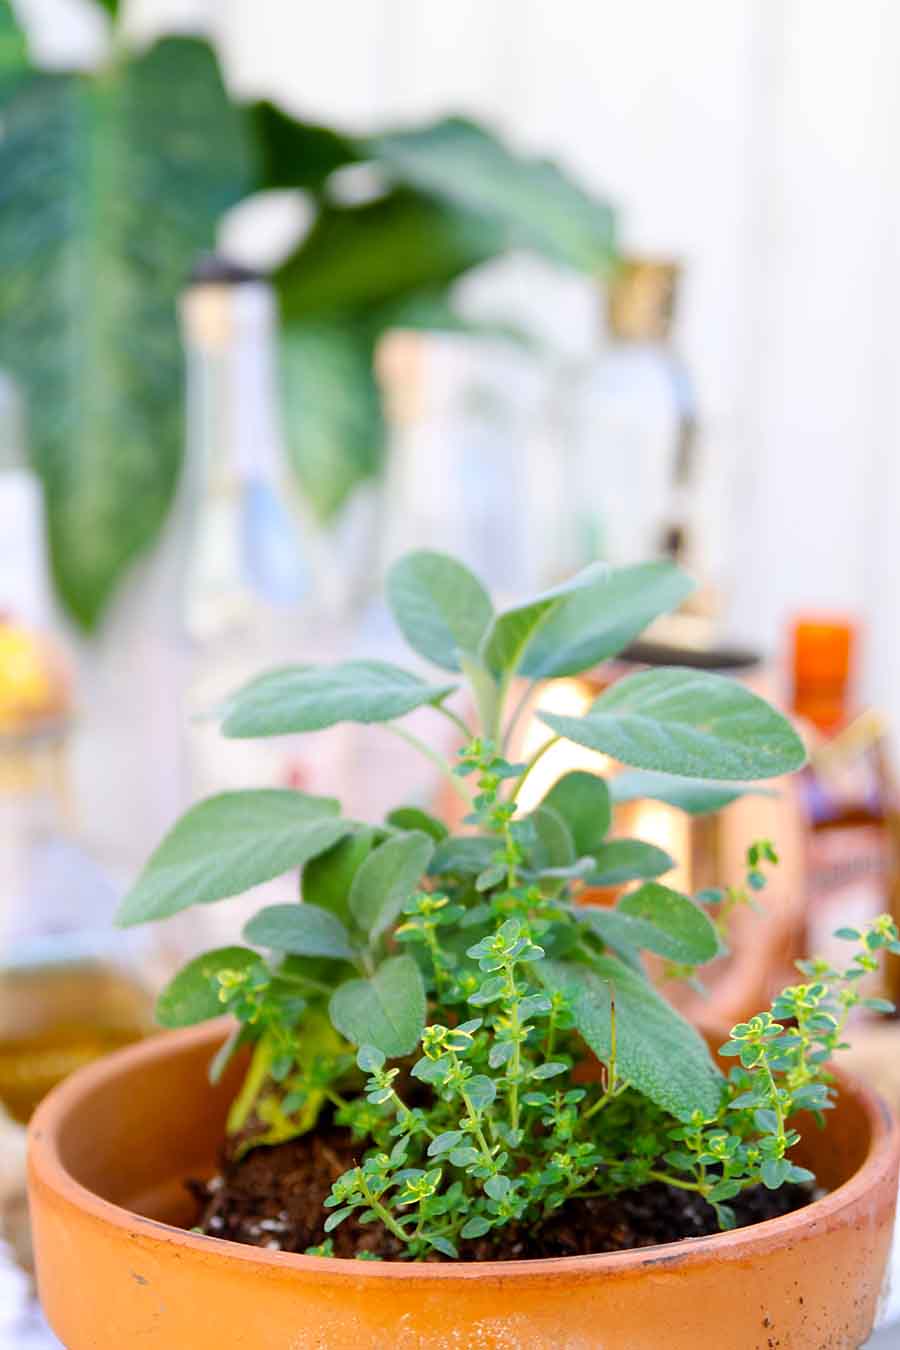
{"x":113,"y":181}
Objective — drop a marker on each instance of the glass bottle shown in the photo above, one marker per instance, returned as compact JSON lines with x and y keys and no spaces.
{"x":248,"y":593}
{"x":71,"y":986}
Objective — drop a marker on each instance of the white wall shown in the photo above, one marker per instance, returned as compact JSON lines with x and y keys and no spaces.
{"x":758,"y":141}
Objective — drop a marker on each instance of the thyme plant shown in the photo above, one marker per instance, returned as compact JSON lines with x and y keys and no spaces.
{"x":495,"y":1047}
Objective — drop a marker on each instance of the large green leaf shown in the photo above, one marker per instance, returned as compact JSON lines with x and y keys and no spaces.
{"x":227,"y":844}
{"x":300,"y":930}
{"x":309,"y":698}
{"x":656,"y":919}
{"x":506,"y":641}
{"x":441,"y":608}
{"x":597,"y":622}
{"x":686,"y":722}
{"x":332,"y":414}
{"x":696,"y":798}
{"x":620,"y":860}
{"x":658,"y":1052}
{"x":582,"y":799}
{"x":296,"y":154}
{"x":193,"y":995}
{"x":387,"y":1011}
{"x":356,"y":258}
{"x":387,"y":879}
{"x":109,"y":188}
{"x":538,"y":206}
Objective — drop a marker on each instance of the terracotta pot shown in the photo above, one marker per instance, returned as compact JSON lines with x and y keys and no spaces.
{"x":111,"y":1147}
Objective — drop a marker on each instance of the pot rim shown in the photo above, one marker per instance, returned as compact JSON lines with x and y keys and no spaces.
{"x":46,"y":1168}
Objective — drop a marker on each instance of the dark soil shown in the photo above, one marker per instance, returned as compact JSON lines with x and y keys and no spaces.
{"x":273,"y":1198}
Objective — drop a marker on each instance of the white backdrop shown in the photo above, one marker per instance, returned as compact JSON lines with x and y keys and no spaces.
{"x":758,"y":141}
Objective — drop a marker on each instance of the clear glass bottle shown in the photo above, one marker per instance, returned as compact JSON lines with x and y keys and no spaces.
{"x":248,"y":587}
{"x":630,"y":425}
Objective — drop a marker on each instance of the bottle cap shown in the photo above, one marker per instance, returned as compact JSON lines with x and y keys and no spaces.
{"x":641,"y":299}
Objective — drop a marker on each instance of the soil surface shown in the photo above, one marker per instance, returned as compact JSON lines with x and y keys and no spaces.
{"x":273,"y":1198}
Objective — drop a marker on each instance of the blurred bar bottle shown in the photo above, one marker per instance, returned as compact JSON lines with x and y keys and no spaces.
{"x":248,"y":594}
{"x":71,"y":987}
{"x":632,"y":437}
{"x":848,"y":795}
{"x":633,"y":410}
{"x":244,"y":578}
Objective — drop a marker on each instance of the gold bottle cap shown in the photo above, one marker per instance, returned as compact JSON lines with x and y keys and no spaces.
{"x":641,"y":299}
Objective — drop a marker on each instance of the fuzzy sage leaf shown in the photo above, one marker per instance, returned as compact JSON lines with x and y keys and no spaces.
{"x":686,"y":722}
{"x":697,"y":798}
{"x":387,"y":1011}
{"x":442,"y":609}
{"x":386,"y":880}
{"x":310,"y":698}
{"x":658,"y":1052}
{"x":301,"y":930}
{"x":227,"y":844}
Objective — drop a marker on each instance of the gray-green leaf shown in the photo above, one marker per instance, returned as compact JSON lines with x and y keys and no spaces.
{"x":582,"y":799}
{"x":193,"y":995}
{"x":687,"y":722}
{"x":327,"y":878}
{"x":441,"y":608}
{"x":596,"y":623}
{"x":510,"y":633}
{"x":658,"y":1052}
{"x":697,"y":798}
{"x":309,"y":698}
{"x":301,"y":930}
{"x":621,"y":860}
{"x":387,"y":1011}
{"x":463,"y":855}
{"x":552,"y":844}
{"x":387,"y":879}
{"x":656,"y":919}
{"x":414,"y":818}
{"x":226,"y":844}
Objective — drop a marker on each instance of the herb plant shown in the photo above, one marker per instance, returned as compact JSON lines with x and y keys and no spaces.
{"x":495,"y":1047}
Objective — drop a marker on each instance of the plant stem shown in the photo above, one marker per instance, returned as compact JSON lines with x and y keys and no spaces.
{"x":434,"y":947}
{"x":520,"y":707}
{"x":675,"y":1181}
{"x":455,"y":719}
{"x":515,"y":1067}
{"x":776,"y":1100}
{"x":389,"y":1222}
{"x":538,"y":754}
{"x":478,"y":1131}
{"x":458,"y":785}
{"x":488,"y":696}
{"x":251,"y":1087}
